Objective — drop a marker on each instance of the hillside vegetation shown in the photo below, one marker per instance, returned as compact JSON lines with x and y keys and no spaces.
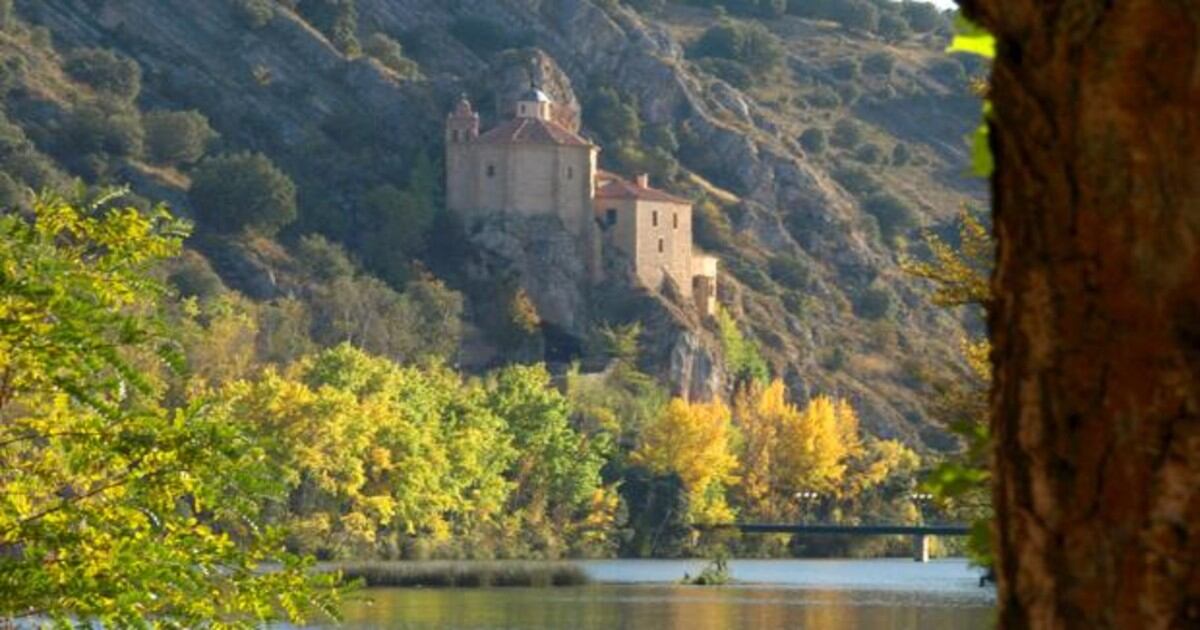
{"x":304,"y":139}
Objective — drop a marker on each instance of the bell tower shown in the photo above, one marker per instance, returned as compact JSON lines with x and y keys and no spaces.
{"x":462,"y":125}
{"x":462,"y":129}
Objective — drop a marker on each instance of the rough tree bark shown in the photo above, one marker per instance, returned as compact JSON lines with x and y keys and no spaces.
{"x":1096,"y":322}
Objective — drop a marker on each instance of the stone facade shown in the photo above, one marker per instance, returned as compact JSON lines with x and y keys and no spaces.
{"x":533,"y":166}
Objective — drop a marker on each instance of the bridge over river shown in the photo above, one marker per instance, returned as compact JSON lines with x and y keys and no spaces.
{"x":920,"y":533}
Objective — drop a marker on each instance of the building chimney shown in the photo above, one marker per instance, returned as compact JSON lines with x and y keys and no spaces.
{"x":643,"y":181}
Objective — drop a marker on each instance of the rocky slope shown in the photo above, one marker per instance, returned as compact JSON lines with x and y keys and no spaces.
{"x":285,"y":90}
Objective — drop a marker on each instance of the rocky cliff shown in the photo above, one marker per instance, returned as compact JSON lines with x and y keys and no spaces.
{"x":805,"y":266}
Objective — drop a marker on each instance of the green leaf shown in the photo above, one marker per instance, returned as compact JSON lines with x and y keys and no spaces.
{"x":972,"y":39}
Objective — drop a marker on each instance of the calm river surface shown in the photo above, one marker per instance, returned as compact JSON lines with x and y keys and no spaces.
{"x":638,"y":594}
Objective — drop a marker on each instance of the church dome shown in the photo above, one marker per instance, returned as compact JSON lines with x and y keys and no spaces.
{"x":535,"y":95}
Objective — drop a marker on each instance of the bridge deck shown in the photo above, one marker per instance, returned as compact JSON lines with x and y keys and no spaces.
{"x":853,"y":530}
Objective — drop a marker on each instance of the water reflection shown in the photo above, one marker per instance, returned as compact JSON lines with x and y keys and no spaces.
{"x":666,"y":607}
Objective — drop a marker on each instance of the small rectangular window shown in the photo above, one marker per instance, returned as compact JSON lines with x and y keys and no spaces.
{"x":675,"y":220}
{"x":491,"y":171}
{"x":570,"y":172}
{"x":654,"y":219}
{"x":610,"y":216}
{"x":661,"y":246}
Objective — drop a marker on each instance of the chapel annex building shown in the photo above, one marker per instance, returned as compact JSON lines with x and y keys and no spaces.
{"x":532,"y":165}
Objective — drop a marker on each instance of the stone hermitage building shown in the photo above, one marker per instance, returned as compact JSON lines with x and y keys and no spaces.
{"x":531,"y":165}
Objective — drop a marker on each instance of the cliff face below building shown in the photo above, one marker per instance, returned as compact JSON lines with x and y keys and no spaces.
{"x":801,"y":256}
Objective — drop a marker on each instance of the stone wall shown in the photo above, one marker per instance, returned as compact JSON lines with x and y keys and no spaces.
{"x":656,"y":235}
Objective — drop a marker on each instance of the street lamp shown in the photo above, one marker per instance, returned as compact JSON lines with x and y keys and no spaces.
{"x":921,"y":499}
{"x":807,"y":499}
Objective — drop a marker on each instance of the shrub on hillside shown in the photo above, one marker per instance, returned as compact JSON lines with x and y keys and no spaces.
{"x":789,"y":271}
{"x":105,"y":71}
{"x":732,"y":72}
{"x":390,"y":53}
{"x":895,"y":217}
{"x":893,"y":27}
{"x":875,"y":303}
{"x":193,"y":276}
{"x":923,"y":17}
{"x":858,"y":15}
{"x":254,"y":13}
{"x":846,"y":69}
{"x":814,"y":140}
{"x":177,"y":137}
{"x":93,"y":129}
{"x":901,"y":154}
{"x":243,"y":191}
{"x":879,"y":63}
{"x":868,"y":153}
{"x":856,"y":180}
{"x":847,"y":134}
{"x":824,"y":97}
{"x":749,"y":44}
{"x":322,"y":260}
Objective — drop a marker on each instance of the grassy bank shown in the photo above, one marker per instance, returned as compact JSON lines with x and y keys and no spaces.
{"x":469,"y":574}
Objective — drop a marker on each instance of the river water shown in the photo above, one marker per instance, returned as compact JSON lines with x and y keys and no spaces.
{"x":640,"y":594}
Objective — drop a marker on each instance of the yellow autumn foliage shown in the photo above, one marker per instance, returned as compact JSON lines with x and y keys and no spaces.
{"x":694,"y":441}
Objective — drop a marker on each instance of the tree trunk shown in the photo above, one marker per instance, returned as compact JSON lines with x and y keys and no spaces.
{"x":1096,"y":320}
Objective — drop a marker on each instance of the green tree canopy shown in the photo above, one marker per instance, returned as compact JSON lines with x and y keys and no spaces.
{"x":118,"y":506}
{"x":243,"y":191}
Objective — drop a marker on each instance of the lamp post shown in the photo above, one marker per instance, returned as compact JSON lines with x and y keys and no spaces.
{"x":922,"y":499}
{"x":806,"y":498}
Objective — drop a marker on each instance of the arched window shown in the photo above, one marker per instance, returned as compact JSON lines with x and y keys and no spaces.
{"x":491,"y":170}
{"x":675,"y":220}
{"x":661,"y":246}
{"x":654,"y":221}
{"x":610,"y":216}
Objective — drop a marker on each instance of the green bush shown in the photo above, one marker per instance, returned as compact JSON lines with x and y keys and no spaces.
{"x":105,"y":71}
{"x":868,"y":153}
{"x":814,"y":140}
{"x":254,"y":13}
{"x":323,"y":261}
{"x":875,"y":303}
{"x":613,"y":117}
{"x":193,"y":276}
{"x":337,"y":19}
{"x":893,"y":27}
{"x":13,"y":194}
{"x":7,"y":14}
{"x":858,"y":15}
{"x":732,"y":72}
{"x":749,"y":44}
{"x":790,"y":271}
{"x":895,"y":217}
{"x":846,"y":69}
{"x":879,"y":63}
{"x":390,"y":53}
{"x":243,"y":191}
{"x":847,"y":134}
{"x":849,"y":93}
{"x":901,"y":154}
{"x":856,"y":180}
{"x":824,"y":97}
{"x":177,"y":137}
{"x":92,"y":129}
{"x":923,"y":17}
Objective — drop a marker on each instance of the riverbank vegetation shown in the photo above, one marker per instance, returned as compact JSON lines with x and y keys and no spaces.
{"x":469,"y":574}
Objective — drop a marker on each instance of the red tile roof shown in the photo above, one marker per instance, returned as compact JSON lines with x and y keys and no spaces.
{"x":618,"y":188}
{"x":532,"y":131}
